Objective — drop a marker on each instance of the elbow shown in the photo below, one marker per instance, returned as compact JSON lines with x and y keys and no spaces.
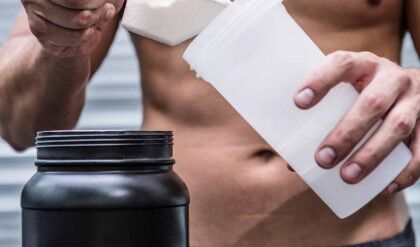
{"x":18,"y":147}
{"x":20,"y":140}
{"x":18,"y":143}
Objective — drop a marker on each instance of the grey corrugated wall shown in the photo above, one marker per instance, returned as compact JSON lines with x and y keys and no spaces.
{"x":113,"y":103}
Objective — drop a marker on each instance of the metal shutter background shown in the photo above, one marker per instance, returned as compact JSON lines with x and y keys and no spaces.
{"x":112,"y":103}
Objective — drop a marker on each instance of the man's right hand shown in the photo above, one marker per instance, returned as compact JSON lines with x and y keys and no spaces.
{"x":70,"y":28}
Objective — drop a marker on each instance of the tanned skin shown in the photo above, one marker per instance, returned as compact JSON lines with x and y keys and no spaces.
{"x":242,"y":192}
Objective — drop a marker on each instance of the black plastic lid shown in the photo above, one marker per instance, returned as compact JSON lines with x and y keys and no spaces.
{"x":104,"y":147}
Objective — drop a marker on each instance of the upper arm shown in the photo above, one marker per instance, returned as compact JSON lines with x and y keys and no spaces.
{"x":21,"y":29}
{"x":413,"y":21}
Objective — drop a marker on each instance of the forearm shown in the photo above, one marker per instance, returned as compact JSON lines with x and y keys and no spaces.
{"x":38,"y":91}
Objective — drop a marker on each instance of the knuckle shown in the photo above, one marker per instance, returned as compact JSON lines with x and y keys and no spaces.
{"x":84,"y":19}
{"x":386,"y":62}
{"x":416,"y":163}
{"x":376,"y":102}
{"x":87,"y":34}
{"x":403,"y":77}
{"x":369,"y":54}
{"x":344,"y":59}
{"x":403,"y":125}
{"x":410,"y":178}
{"x":370,"y":57}
{"x":417,"y":103}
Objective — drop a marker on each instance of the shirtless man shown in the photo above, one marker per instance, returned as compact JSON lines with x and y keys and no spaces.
{"x":242,"y":192}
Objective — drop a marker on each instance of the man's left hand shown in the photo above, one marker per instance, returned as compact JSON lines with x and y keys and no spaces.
{"x":388,"y":92}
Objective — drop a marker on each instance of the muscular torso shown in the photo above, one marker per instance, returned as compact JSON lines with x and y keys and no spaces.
{"x":242,"y":194}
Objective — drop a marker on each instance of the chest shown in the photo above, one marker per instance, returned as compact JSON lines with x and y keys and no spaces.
{"x":345,"y":13}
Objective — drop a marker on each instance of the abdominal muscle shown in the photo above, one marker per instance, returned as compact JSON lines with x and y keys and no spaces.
{"x":242,"y":193}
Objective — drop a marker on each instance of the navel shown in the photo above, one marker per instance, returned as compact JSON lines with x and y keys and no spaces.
{"x":374,"y":2}
{"x":265,"y":154}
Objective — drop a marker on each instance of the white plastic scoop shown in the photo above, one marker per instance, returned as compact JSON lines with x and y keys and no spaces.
{"x":170,"y":21}
{"x":257,"y":56}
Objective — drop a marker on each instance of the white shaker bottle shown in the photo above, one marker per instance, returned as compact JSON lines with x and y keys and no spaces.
{"x":170,"y":21}
{"x":257,"y":56}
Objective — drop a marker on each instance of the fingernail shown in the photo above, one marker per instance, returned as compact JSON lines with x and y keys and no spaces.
{"x":392,"y":188}
{"x":326,"y":156}
{"x":352,"y":171}
{"x":305,"y":97}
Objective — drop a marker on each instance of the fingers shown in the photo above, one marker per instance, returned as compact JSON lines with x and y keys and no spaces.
{"x":374,"y":102}
{"x":58,"y":36}
{"x":336,"y":68}
{"x":72,"y":19}
{"x":411,"y":174}
{"x":69,"y":18}
{"x":69,"y":27}
{"x":80,"y":4}
{"x":397,"y":126}
{"x":386,"y":90}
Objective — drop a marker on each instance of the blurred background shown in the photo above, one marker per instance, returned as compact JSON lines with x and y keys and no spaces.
{"x":112,"y":103}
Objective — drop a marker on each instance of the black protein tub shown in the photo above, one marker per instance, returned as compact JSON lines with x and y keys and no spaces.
{"x":105,"y":189}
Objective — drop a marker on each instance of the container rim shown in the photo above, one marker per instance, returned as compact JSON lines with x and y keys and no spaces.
{"x":102,"y":137}
{"x":52,"y":133}
{"x":104,"y":147}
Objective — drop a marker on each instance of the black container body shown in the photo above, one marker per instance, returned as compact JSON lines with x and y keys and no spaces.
{"x":162,"y":227}
{"x":105,"y":189}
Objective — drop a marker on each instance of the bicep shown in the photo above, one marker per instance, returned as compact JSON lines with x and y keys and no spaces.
{"x":21,"y":30}
{"x":413,"y":21}
{"x":21,"y":26}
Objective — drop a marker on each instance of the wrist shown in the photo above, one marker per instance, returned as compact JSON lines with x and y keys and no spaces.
{"x":75,"y":62}
{"x":70,"y":71}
